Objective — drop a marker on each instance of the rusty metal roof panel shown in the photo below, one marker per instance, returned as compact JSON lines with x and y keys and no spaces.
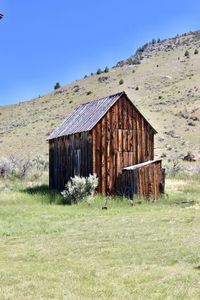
{"x":85,"y":116}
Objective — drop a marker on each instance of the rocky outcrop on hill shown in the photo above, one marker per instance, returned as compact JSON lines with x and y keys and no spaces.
{"x":166,"y":45}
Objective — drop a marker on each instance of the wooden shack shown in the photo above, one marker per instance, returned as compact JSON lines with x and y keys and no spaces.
{"x":105,"y":137}
{"x":145,"y":179}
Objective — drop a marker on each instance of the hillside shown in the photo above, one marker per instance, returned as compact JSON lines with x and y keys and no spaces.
{"x":164,"y":85}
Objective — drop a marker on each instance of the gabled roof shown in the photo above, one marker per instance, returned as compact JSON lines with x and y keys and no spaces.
{"x":85,"y":116}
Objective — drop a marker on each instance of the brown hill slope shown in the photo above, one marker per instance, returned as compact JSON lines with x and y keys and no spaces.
{"x":165,"y":86}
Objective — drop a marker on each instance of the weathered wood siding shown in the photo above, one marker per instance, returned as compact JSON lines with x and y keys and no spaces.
{"x":146,"y":181}
{"x":68,"y":156}
{"x":120,"y":139}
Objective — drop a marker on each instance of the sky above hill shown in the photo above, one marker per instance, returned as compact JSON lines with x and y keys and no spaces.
{"x":42,"y":42}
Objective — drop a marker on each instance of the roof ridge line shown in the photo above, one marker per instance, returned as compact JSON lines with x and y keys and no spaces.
{"x":99,"y":99}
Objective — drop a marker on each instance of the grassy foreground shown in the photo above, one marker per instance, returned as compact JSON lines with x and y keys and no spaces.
{"x":144,"y":251}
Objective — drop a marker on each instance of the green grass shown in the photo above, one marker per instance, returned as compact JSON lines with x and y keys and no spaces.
{"x":146,"y":251}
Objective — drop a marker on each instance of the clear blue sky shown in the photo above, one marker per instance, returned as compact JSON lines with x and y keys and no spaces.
{"x":45,"y":41}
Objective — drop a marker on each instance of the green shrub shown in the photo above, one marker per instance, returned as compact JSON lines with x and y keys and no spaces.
{"x":121,"y":81}
{"x":99,"y":71}
{"x":196,"y":51}
{"x":187,"y":54}
{"x":142,"y":48}
{"x":136,"y":61}
{"x":79,"y":188}
{"x":190,"y":123}
{"x":88,"y":93}
{"x":137,"y":88}
{"x":57,"y":86}
{"x":106,"y":70}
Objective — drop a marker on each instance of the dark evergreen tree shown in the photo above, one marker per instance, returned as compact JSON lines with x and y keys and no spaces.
{"x":57,"y":86}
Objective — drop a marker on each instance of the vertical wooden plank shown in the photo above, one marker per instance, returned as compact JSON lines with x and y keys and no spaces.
{"x":72,"y":155}
{"x":133,"y":137}
{"x":112,"y":147}
{"x":71,"y":152}
{"x":125,"y":140}
{"x":63,"y":155}
{"x":82,"y":148}
{"x":58,"y":154}
{"x":135,"y":147}
{"x":124,"y":112}
{"x":120,"y":114}
{"x":98,"y":155}
{"x":104,"y":156}
{"x":118,"y":163}
{"x":109,"y":153}
{"x":146,"y":146}
{"x":116,"y":142}
{"x":54,"y":159}
{"x":85,"y":146}
{"x":61,"y":164}
{"x":64,"y":160}
{"x":129,"y":116}
{"x":94,"y":151}
{"x":57,"y":164}
{"x":117,"y":114}
{"x":126,"y":162}
{"x":55,"y":153}
{"x":90,"y":154}
{"x":129,"y":140}
{"x":138,"y":182}
{"x":50,"y":165}
{"x":141,"y":187}
{"x":146,"y":181}
{"x":120,"y":140}
{"x":67,"y":160}
{"x":152,"y":146}
{"x":61,"y":160}
{"x":143,"y":141}
{"x":130,"y":158}
{"x":54,"y":165}
{"x":139,"y":137}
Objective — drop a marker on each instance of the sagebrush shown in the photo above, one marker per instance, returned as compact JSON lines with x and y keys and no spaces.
{"x":79,"y":188}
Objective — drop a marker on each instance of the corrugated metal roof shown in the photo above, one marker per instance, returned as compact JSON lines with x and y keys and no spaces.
{"x":134,"y":167}
{"x":85,"y":116}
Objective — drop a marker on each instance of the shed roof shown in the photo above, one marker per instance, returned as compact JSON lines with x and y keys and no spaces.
{"x":85,"y":116}
{"x":143,"y":164}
